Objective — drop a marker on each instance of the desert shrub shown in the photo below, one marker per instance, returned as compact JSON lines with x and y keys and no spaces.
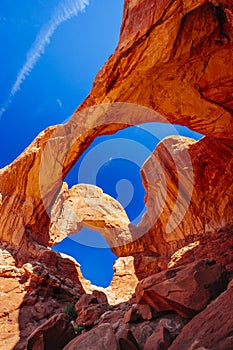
{"x":77,"y":328}
{"x":69,"y":309}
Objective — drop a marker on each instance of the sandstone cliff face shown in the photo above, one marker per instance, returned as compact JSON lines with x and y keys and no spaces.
{"x":187,"y":198}
{"x":173,"y":63}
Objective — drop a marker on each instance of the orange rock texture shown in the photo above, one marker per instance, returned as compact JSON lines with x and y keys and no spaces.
{"x":173,"y":63}
{"x":174,"y":57}
{"x":87,"y":206}
{"x":187,"y":198}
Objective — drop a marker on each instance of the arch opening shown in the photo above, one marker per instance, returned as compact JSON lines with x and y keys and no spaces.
{"x":113,"y":163}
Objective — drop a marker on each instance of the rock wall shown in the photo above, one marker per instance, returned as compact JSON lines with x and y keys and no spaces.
{"x":173,"y":63}
{"x":186,"y":198}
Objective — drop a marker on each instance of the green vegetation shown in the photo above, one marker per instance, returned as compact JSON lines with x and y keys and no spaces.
{"x":77,"y":328}
{"x":69,"y":309}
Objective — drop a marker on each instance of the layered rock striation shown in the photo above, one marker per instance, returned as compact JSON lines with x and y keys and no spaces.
{"x":173,"y":63}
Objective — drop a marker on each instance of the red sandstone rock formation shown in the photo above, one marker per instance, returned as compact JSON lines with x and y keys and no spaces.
{"x":185,"y":289}
{"x":174,"y":59}
{"x":53,"y":334}
{"x":100,"y":338}
{"x":174,"y":62}
{"x":187,"y":198}
{"x":87,"y":206}
{"x":211,"y":329}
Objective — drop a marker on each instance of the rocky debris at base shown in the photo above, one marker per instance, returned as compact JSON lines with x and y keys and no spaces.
{"x":189,"y":292}
{"x":89,"y":308}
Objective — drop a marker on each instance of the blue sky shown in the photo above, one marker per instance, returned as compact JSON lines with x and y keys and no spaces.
{"x":51,"y":52}
{"x":62,"y":76}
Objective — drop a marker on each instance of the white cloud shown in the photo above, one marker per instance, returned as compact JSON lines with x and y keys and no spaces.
{"x":59,"y":102}
{"x":65,"y":10}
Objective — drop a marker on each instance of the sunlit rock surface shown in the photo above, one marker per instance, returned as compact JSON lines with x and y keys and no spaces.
{"x":189,"y":196}
{"x":186,"y":290}
{"x":173,"y":63}
{"x":163,"y":61}
{"x":175,"y":59}
{"x":87,"y":206}
{"x":123,"y":284}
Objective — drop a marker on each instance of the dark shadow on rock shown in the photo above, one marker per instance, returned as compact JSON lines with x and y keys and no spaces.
{"x":50,"y":281}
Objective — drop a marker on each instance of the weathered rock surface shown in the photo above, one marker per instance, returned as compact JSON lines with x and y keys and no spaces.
{"x":89,"y":308}
{"x":173,"y":63}
{"x":12,"y":293}
{"x":138,"y":312}
{"x":53,"y":334}
{"x":211,"y":329}
{"x":126,"y":339}
{"x":181,"y":199}
{"x":160,"y":339}
{"x":123,"y":284}
{"x":217,"y":246}
{"x":135,"y":334}
{"x":189,"y":195}
{"x":101,"y":337}
{"x":143,"y":330}
{"x":174,"y":59}
{"x":87,"y":206}
{"x":33,"y":292}
{"x":185,"y":289}
{"x":145,"y":262}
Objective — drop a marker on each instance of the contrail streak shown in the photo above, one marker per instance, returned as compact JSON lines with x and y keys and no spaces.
{"x":66,"y":9}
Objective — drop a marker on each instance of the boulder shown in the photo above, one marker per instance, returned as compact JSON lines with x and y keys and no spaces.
{"x":90,"y":314}
{"x":100,"y":296}
{"x":159,"y":340}
{"x":90,"y":307}
{"x":113,"y":317}
{"x":185,"y":289}
{"x":210,"y":329}
{"x":143,"y":330}
{"x":53,"y":334}
{"x":126,"y":339}
{"x":84,"y":301}
{"x":101,"y":337}
{"x":138,"y":312}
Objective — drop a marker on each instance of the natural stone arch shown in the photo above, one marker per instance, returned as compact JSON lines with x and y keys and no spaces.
{"x":169,"y":78}
{"x":87,"y":206}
